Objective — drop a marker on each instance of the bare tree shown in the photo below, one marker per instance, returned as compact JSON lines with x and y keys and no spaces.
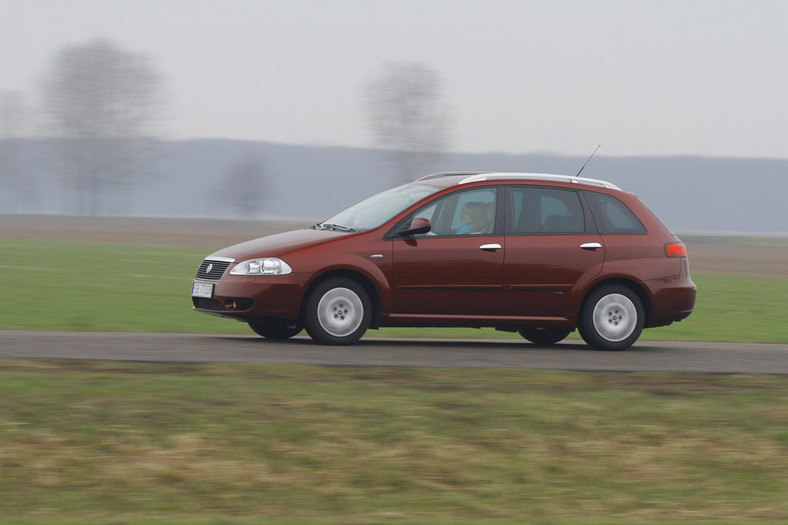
{"x":99,"y":102}
{"x":243,"y":189}
{"x":13,"y":119}
{"x":407,"y":116}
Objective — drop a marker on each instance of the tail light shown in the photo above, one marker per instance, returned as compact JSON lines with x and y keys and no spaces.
{"x":676,"y":249}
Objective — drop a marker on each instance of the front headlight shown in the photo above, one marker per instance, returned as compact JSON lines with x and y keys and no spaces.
{"x":265,"y":266}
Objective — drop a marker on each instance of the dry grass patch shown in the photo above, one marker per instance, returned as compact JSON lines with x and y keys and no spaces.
{"x":236,"y":442}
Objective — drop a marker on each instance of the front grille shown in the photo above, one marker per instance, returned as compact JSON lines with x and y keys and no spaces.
{"x":212,"y":269}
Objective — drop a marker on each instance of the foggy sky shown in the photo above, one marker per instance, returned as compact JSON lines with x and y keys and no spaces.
{"x":640,"y":77}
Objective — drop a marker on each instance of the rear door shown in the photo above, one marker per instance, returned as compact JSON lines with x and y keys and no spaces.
{"x":552,"y":250}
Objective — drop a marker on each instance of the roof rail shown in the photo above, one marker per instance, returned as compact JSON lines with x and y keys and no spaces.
{"x":449,"y":174}
{"x":477,"y":177}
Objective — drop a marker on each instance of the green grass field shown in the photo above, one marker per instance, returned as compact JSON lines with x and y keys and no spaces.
{"x":124,"y":443}
{"x":104,"y":287}
{"x":95,"y":443}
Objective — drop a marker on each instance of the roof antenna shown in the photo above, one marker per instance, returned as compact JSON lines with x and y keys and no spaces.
{"x":589,"y":160}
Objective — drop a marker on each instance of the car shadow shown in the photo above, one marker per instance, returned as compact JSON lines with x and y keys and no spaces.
{"x":447,"y":344}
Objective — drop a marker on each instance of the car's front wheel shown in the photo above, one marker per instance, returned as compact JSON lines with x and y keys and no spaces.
{"x":274,"y":331}
{"x":544,"y":336}
{"x":338,"y":312}
{"x":612,"y":318}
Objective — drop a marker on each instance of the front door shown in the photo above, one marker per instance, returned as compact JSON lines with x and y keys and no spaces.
{"x":457,"y":268}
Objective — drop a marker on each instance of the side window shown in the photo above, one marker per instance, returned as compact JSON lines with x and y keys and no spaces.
{"x":612,"y":216}
{"x":469,"y":212}
{"x":538,"y":210}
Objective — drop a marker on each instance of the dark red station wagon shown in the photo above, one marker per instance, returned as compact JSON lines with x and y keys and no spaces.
{"x":541,"y":255}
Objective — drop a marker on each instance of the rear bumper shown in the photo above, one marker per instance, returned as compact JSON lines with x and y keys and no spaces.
{"x":672,"y":300}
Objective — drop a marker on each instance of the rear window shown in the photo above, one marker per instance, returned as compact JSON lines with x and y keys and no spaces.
{"x":612,"y":216}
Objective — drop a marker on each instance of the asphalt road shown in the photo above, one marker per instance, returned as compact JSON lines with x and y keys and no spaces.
{"x":645,"y":356}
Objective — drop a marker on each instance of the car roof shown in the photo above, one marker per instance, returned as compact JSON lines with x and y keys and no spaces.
{"x":451,"y":178}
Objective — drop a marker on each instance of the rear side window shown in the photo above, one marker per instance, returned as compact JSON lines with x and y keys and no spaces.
{"x":539,"y":210}
{"x":612,"y":216}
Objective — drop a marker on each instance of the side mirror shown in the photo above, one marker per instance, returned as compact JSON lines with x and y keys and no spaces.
{"x":417,"y":226}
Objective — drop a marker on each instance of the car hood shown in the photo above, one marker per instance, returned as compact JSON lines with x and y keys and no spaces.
{"x":279,"y":244}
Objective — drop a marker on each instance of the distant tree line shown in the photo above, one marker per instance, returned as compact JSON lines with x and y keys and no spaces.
{"x":100,"y":106}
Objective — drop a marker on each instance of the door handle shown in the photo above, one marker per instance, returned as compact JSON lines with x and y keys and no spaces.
{"x":591,"y":246}
{"x":490,"y":247}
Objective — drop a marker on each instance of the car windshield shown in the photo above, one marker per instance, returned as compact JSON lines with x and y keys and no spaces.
{"x":376,"y":210}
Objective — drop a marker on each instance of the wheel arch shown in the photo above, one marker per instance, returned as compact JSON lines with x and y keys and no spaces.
{"x":638,"y":289}
{"x":354,"y":275}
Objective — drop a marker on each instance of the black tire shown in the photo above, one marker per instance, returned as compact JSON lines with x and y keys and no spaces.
{"x":274,"y":331}
{"x":544,"y":336}
{"x":338,"y":312}
{"x":612,"y":318}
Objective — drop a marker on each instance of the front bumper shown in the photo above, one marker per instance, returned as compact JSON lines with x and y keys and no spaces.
{"x":259,"y":297}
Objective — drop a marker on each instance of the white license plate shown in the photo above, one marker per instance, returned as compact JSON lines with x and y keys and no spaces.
{"x":202,"y":290}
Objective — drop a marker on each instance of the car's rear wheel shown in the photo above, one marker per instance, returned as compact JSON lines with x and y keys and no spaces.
{"x":274,"y":331}
{"x":612,"y":318}
{"x":544,"y":336}
{"x":338,"y":312}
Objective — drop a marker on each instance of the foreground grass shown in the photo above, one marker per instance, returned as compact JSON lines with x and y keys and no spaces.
{"x":112,"y":442}
{"x":101,"y":287}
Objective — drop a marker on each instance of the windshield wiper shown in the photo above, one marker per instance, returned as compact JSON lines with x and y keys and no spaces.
{"x":335,"y":227}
